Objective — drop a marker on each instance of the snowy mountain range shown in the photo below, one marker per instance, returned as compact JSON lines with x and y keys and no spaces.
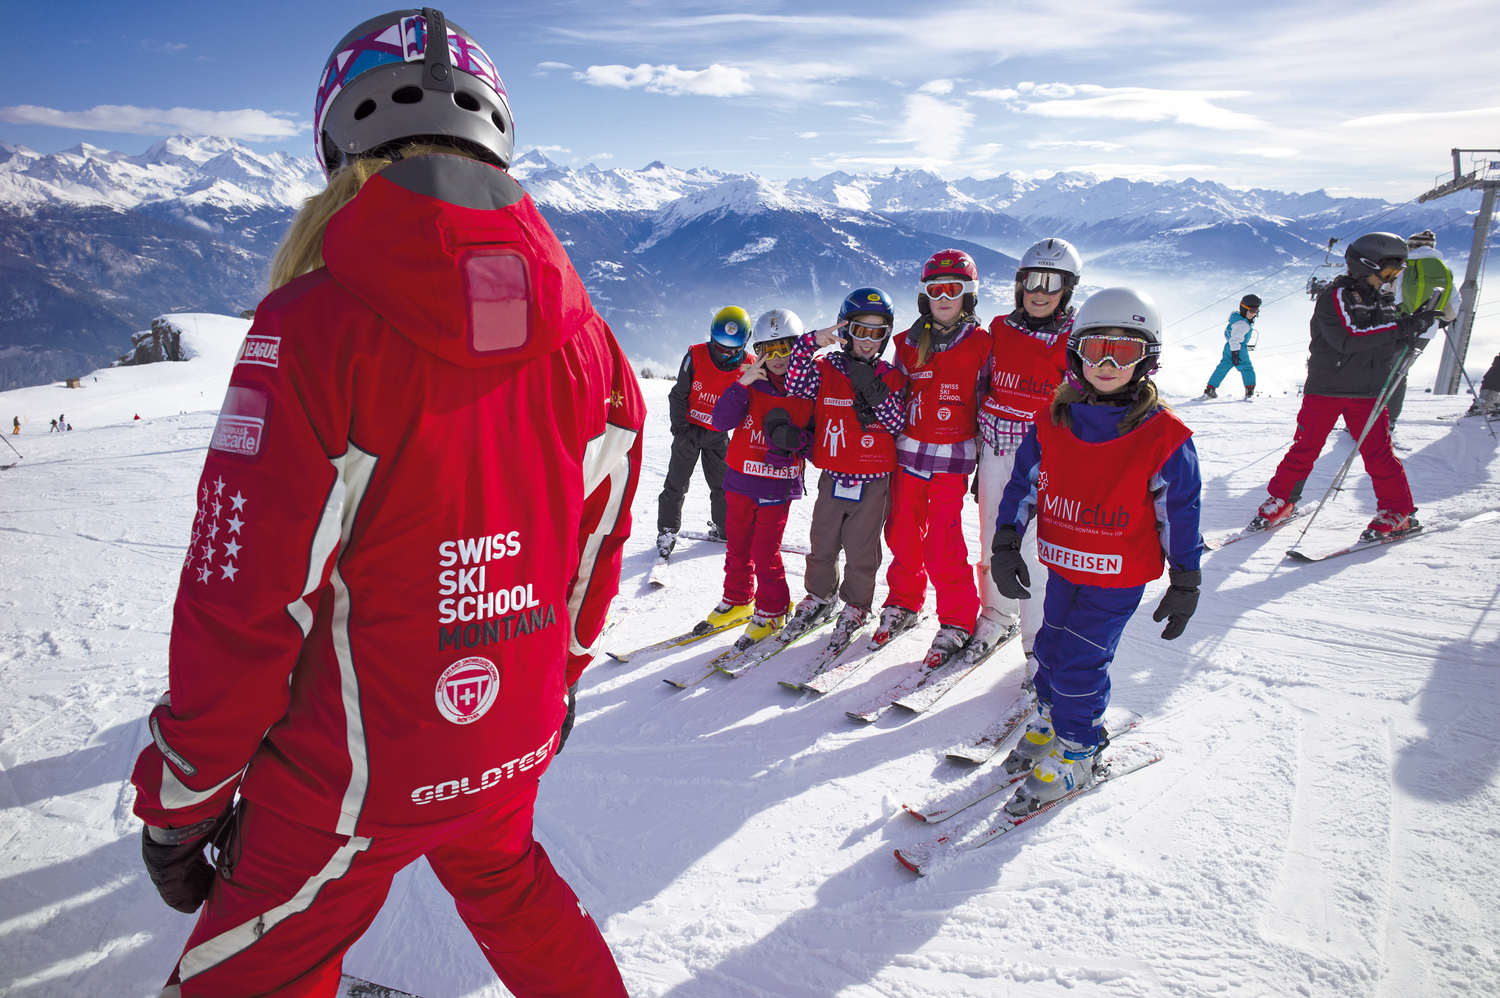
{"x":94,"y":243}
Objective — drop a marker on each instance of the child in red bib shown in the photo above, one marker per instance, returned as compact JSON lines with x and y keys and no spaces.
{"x":766,"y":450}
{"x":1111,"y":477}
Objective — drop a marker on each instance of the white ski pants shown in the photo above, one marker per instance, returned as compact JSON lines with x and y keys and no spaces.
{"x":994,"y":473}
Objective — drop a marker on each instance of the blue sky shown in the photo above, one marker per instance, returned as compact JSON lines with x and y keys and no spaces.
{"x":1294,"y":96}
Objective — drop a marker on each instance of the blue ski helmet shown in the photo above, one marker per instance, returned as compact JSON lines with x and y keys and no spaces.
{"x":731,"y":327}
{"x":871,"y":303}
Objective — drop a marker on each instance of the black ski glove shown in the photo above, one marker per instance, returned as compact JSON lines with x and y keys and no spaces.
{"x":1418,"y":322}
{"x":174,"y":860}
{"x":1007,"y":567}
{"x":1234,"y":357}
{"x":567,"y":725}
{"x":1179,"y":603}
{"x":869,"y":386}
{"x":784,"y":435}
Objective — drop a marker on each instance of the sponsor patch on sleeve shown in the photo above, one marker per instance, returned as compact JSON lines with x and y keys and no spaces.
{"x":242,"y":422}
{"x":262,"y":350}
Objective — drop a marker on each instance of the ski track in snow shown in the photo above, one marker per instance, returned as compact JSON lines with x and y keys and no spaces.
{"x":1323,"y":824}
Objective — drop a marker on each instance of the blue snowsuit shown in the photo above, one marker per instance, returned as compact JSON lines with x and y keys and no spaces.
{"x":1236,"y":341}
{"x":1082,"y":624}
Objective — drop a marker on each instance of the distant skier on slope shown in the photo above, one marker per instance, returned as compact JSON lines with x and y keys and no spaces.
{"x":707,"y":370}
{"x":1357,"y":338}
{"x":15,"y":426}
{"x":408,"y":534}
{"x":860,"y":408}
{"x":1028,"y":362}
{"x":1097,"y":471}
{"x":771,"y":438}
{"x":945,"y":356}
{"x":1239,"y":340}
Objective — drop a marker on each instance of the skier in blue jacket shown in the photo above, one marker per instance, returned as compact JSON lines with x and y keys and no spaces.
{"x":1238,"y":342}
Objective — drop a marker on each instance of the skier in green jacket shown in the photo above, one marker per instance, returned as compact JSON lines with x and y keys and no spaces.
{"x":1425,"y":271}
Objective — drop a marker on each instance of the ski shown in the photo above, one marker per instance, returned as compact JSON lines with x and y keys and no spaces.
{"x":778,"y":644}
{"x":701,"y":630}
{"x":659,"y":575}
{"x":356,"y":987}
{"x":829,"y":654}
{"x":924,"y":857}
{"x":983,"y":748}
{"x":939,"y":673}
{"x":698,"y":535}
{"x":1302,"y":556}
{"x":1300,"y":511}
{"x":998,"y":779}
{"x":943,"y":678}
{"x":830,"y":679}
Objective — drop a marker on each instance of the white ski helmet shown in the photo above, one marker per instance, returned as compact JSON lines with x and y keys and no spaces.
{"x":1119,"y":308}
{"x":777,"y":324}
{"x":1057,"y":255}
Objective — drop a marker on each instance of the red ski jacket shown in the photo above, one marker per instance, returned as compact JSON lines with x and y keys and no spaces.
{"x":409,"y":521}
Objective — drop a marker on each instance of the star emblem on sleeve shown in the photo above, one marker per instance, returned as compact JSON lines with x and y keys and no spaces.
{"x":207,"y":523}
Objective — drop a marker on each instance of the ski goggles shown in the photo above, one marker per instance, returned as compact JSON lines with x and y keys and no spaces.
{"x":1121,"y":351}
{"x":949,"y":289}
{"x":1388,"y":273}
{"x":776,"y":350}
{"x":1046,"y":281}
{"x":865,"y":331}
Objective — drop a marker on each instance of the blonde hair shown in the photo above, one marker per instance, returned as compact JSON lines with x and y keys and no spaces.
{"x":1146,"y":402}
{"x":924,"y":342}
{"x":301,"y":249}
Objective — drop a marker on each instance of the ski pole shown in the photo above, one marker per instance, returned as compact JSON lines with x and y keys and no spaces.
{"x":1470,"y":382}
{"x":1398,"y":372}
{"x":13,"y":447}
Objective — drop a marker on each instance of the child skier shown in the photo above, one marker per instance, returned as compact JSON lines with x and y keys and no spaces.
{"x":860,"y":408}
{"x":408,"y":534}
{"x":945,"y":357}
{"x":1028,"y":361}
{"x":1111,"y":477}
{"x":771,"y":435}
{"x":1358,"y":338}
{"x":707,"y":369}
{"x":1239,"y":340}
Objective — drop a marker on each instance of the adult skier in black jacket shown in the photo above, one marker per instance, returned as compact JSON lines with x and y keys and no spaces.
{"x":1357,"y":338}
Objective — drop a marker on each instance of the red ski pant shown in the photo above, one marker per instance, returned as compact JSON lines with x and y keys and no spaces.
{"x":299,"y":897}
{"x":752,"y":564}
{"x":1315,"y":420}
{"x":925,"y":533}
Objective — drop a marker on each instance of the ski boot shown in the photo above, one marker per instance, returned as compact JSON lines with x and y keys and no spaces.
{"x":809,"y":613}
{"x":1028,"y":685}
{"x":716,"y":533}
{"x":666,"y":541}
{"x":988,"y":632}
{"x":1249,"y":393}
{"x":950,"y":641}
{"x":894,"y":621}
{"x":1272,"y":512}
{"x":1487,"y":403}
{"x":1036,"y":742}
{"x":1208,"y":393}
{"x":1067,"y":767}
{"x":727,"y":613}
{"x":1389,"y":525}
{"x":762,"y":626}
{"x":851,"y":619}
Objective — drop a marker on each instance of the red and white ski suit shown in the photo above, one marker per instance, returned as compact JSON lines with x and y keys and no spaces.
{"x":407,"y":537}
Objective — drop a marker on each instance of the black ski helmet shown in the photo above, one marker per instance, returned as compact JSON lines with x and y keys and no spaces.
{"x":1373,"y":252}
{"x":1249,"y":301}
{"x":383,"y":83}
{"x":868,"y":302}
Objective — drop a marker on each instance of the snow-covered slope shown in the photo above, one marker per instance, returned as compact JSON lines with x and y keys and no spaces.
{"x":1323,"y":822}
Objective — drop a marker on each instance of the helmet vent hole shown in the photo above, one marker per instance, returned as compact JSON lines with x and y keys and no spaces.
{"x":499,"y":121}
{"x":408,"y":95}
{"x":365,"y":109}
{"x":466,"y":100}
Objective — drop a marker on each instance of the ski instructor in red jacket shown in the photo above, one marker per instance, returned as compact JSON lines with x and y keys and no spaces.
{"x":407,"y":537}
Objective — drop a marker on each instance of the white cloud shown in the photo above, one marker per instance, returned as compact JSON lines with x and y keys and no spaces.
{"x":248,"y":124}
{"x":715,"y":81}
{"x":1184,"y":107}
{"x":936,"y":87}
{"x":1269,"y":152}
{"x":547,"y":150}
{"x":602,"y":155}
{"x":807,"y":135}
{"x":1075,"y":144}
{"x":937,"y":126}
{"x":1382,"y":120}
{"x":996,"y":94}
{"x":553,"y":65}
{"x":844,"y":103}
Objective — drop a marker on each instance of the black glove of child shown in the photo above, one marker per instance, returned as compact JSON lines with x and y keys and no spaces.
{"x":868,"y":385}
{"x":1418,"y":322}
{"x":1007,"y":567}
{"x":1179,"y":603}
{"x":784,"y":435}
{"x":1234,"y":357}
{"x":174,"y":860}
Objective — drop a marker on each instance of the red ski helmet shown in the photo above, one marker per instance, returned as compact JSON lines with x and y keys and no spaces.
{"x":949,"y":263}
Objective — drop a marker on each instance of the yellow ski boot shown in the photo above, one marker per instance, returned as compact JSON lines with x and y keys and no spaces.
{"x":727,"y":613}
{"x":762,"y":627}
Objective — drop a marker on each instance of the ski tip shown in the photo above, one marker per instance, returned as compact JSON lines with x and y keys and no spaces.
{"x":914,"y":812}
{"x":620,"y":656}
{"x":1296,"y":555}
{"x":909,"y":864}
{"x":676,"y":684}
